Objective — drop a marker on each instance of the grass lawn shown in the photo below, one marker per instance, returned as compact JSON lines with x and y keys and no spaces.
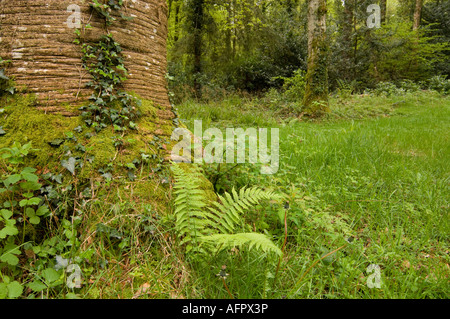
{"x":376,"y":170}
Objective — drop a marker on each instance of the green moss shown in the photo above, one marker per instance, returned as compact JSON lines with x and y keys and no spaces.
{"x":315,"y":101}
{"x":24,"y":123}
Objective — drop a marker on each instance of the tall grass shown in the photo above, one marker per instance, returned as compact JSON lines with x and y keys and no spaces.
{"x":383,"y":179}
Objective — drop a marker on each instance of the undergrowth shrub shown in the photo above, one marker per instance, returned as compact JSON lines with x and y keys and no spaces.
{"x":439,"y":83}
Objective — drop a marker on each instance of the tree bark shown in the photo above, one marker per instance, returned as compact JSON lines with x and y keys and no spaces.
{"x":36,"y":36}
{"x":315,"y":101}
{"x":417,"y":14}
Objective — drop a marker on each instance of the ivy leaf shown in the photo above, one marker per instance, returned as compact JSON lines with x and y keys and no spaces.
{"x":131,"y":176}
{"x":69,"y":165}
{"x":56,"y":142}
{"x":107,"y":176}
{"x":80,"y":148}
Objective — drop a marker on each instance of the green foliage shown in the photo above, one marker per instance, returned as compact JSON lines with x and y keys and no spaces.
{"x":6,"y":85}
{"x":105,"y":8}
{"x":103,"y":60}
{"x":199,"y":220}
{"x":23,"y":211}
{"x":294,"y":87}
{"x":402,"y":54}
{"x":252,"y":240}
{"x":248,"y":45}
{"x":439,"y":83}
{"x":109,"y":105}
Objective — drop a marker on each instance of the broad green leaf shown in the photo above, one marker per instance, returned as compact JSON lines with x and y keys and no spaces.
{"x":30,"y":212}
{"x":29,"y":170}
{"x":29,"y":176}
{"x":42,"y":210}
{"x":9,"y":230}
{"x":34,"y":201}
{"x":35,"y":220}
{"x":12,"y":179}
{"x":50,"y":275}
{"x":10,"y":259}
{"x":37,"y":286}
{"x":23,"y":202}
{"x":15,"y":289}
{"x":3,"y":290}
{"x":6,"y":214}
{"x":30,"y":185}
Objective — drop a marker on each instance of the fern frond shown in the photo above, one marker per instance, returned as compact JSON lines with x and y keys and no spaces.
{"x":233,"y":205}
{"x":252,"y":240}
{"x":197,"y":221}
{"x":190,"y":202}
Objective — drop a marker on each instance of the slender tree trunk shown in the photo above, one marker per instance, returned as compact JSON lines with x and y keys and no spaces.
{"x":197,"y":21}
{"x":417,"y":14}
{"x":347,"y":30}
{"x":315,"y":101}
{"x":383,"y":6}
{"x":228,"y":51}
{"x":177,"y":21}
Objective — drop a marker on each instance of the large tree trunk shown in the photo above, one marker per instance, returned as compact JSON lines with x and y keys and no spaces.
{"x":315,"y":101}
{"x":417,"y":14}
{"x":35,"y":35}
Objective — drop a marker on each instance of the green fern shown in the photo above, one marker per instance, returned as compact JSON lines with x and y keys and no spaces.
{"x":198,"y":221}
{"x":231,"y":207}
{"x":253,"y":240}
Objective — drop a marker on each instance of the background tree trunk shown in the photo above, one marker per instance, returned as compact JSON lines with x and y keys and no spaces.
{"x":196,"y":21}
{"x":417,"y":14}
{"x":35,"y":35}
{"x":315,"y":101}
{"x":383,"y":6}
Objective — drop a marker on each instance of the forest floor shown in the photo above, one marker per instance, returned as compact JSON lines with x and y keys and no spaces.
{"x":367,"y":189}
{"x":376,"y":170}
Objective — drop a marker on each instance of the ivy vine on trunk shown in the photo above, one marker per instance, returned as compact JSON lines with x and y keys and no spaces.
{"x":109,"y":105}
